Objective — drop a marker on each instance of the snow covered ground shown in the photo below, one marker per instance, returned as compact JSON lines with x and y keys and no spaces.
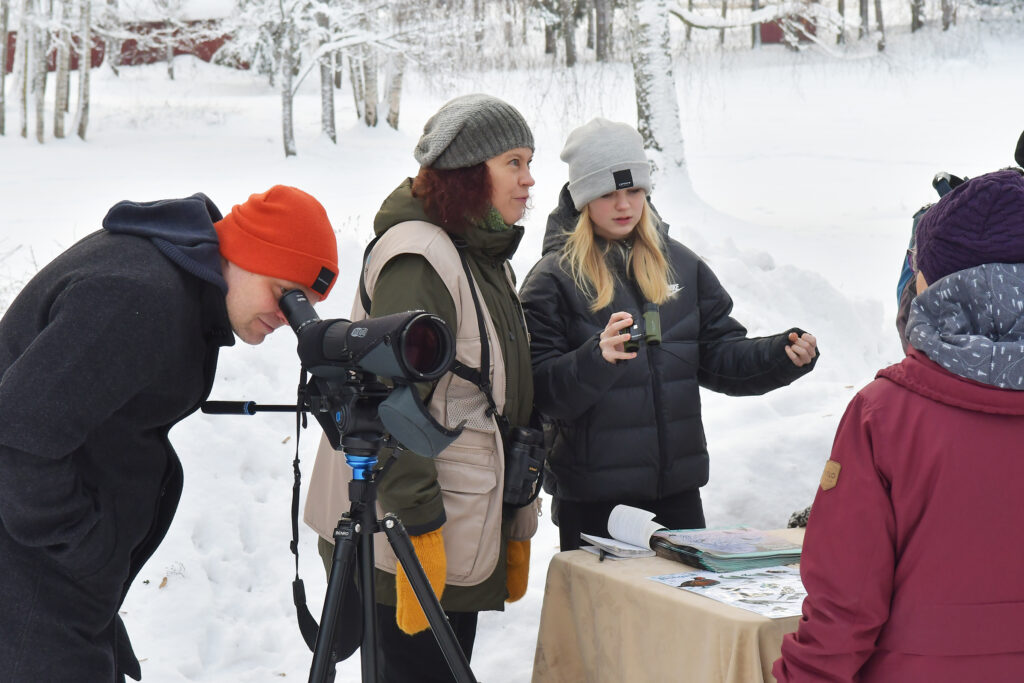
{"x":805,"y":171}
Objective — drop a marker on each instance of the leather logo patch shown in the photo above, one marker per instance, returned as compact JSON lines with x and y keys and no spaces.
{"x":830,"y":477}
{"x":623,"y":179}
{"x":323,"y":280}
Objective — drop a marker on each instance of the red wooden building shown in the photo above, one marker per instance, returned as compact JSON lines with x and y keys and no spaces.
{"x":149,"y":47}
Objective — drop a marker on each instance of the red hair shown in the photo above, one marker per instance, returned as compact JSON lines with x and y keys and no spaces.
{"x":456,"y":197}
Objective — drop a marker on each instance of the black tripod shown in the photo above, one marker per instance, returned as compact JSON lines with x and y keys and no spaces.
{"x":353,"y":539}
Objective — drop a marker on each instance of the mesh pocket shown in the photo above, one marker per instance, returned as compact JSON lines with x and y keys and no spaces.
{"x":472,"y":409}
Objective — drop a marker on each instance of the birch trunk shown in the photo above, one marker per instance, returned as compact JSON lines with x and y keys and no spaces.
{"x":326,"y":86}
{"x":5,"y":13}
{"x":84,"y":66}
{"x":568,"y":31}
{"x":916,"y":15}
{"x":591,"y":29}
{"x":395,"y":88}
{"x":656,"y":103}
{"x":841,"y":36}
{"x":60,"y":104}
{"x":602,"y":29}
{"x":755,"y":29}
{"x":881,"y":25}
{"x":22,"y":59}
{"x":355,"y":70}
{"x":42,"y":42}
{"x":287,"y":77}
{"x":478,"y":21}
{"x":370,"y":91}
{"x":509,"y":24}
{"x":948,"y":15}
{"x":550,"y":39}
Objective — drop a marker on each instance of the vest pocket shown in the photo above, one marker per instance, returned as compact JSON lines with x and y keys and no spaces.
{"x":473,"y":526}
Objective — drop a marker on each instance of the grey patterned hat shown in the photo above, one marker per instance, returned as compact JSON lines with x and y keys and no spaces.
{"x":605,"y":156}
{"x":470,"y":130}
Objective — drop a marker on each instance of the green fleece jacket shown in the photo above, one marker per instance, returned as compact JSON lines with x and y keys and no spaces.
{"x":409,"y":488}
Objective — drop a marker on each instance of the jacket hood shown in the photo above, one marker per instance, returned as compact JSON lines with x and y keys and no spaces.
{"x":401,"y":206}
{"x":182,"y":229}
{"x":923,"y":376}
{"x":563,"y":218}
{"x":972,"y":323}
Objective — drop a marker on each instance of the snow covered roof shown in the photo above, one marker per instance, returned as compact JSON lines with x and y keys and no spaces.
{"x":149,"y":10}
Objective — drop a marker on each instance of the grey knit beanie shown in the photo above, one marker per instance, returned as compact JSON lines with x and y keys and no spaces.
{"x":470,"y":130}
{"x":605,"y":156}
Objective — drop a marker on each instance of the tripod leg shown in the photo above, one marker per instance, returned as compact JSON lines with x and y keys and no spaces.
{"x":398,"y":537}
{"x":346,"y":536}
{"x":368,"y":650}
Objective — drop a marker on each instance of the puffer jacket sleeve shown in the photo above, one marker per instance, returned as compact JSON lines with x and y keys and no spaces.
{"x":410,"y":488}
{"x":847,"y":564}
{"x":730,"y":362}
{"x":566,"y":381}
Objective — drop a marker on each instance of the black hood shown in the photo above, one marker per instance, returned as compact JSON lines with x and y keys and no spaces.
{"x":562,"y":221}
{"x":182,"y":229}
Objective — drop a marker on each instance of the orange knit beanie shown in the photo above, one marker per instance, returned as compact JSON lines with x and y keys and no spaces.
{"x":282,"y":233}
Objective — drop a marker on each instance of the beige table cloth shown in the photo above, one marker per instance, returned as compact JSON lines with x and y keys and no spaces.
{"x":606,"y":621}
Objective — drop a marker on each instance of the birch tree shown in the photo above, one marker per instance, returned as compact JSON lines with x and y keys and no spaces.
{"x":948,"y":14}
{"x":326,"y":79}
{"x":656,"y":103}
{"x":288,"y":45}
{"x":602,"y":29}
{"x":84,"y":66}
{"x":23,"y":58}
{"x":62,"y":14}
{"x":299,"y":39}
{"x":5,"y":14}
{"x":396,"y":68}
{"x":916,"y":15}
{"x":38,"y":67}
{"x":565,"y":9}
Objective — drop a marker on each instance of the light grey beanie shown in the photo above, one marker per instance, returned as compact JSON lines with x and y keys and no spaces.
{"x":605,"y":156}
{"x":470,"y":130}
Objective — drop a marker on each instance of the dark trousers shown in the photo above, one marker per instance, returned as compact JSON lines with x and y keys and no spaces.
{"x":418,"y":659}
{"x":681,"y":511}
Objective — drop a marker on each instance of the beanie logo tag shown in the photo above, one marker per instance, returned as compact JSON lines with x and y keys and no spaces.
{"x":622,"y":179}
{"x":323,"y":281}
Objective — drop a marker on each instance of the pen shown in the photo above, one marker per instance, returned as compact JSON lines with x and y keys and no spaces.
{"x":600,"y":555}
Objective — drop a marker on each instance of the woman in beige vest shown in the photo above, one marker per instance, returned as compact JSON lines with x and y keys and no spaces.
{"x":472,"y":187}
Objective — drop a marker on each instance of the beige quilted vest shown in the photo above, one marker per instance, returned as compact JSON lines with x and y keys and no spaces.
{"x":471,"y":471}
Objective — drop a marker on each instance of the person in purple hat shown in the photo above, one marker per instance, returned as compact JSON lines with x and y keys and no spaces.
{"x":913,"y":551}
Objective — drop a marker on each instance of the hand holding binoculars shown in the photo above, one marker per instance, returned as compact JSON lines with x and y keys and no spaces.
{"x":646,"y":328}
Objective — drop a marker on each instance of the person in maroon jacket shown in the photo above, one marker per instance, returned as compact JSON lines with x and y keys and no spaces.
{"x":914,"y":549}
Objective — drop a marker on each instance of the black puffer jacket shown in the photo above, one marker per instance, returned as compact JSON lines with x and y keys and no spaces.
{"x":105,"y":349}
{"x":633,"y":430}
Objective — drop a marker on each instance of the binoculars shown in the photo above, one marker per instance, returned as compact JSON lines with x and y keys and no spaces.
{"x":646,"y":328}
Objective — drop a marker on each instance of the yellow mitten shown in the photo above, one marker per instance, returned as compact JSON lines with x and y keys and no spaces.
{"x":517,"y":570}
{"x":429,"y":549}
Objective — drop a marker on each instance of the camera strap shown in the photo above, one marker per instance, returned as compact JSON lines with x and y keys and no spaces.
{"x":346,"y":641}
{"x":307,"y":624}
{"x":480,"y":377}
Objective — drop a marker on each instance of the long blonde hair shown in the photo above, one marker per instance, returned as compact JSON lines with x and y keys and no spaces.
{"x":585,"y":258}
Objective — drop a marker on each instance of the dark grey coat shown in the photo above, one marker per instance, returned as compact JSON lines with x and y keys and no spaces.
{"x":633,"y":430}
{"x":105,"y":349}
